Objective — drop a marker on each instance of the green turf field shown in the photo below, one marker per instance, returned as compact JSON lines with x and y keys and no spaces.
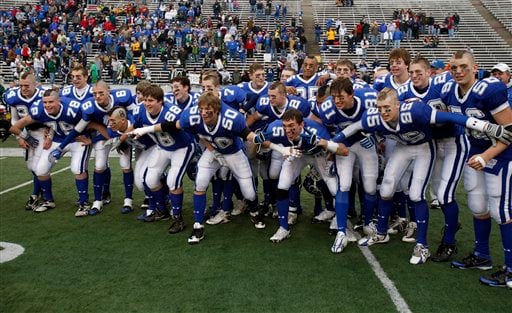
{"x":113,"y":263}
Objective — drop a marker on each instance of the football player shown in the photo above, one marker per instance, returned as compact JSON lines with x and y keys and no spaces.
{"x":306,"y":84}
{"x":307,"y":140}
{"x":80,"y":90}
{"x":181,"y":94}
{"x":95,"y":109}
{"x":408,"y":123}
{"x":451,"y":151}
{"x":399,"y":61}
{"x":268,"y":109}
{"x":60,"y":115}
{"x":344,"y":107}
{"x":488,"y":173}
{"x":345,"y":68}
{"x":175,"y":149}
{"x":20,"y":100}
{"x":223,"y":128}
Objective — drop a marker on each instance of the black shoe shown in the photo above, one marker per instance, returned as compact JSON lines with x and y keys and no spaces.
{"x":177,"y":224}
{"x":434,"y":205}
{"x":474,"y":260}
{"x":257,"y":219}
{"x":197,"y":234}
{"x":157,"y":215}
{"x":264,"y":208}
{"x":501,"y":278}
{"x":444,"y":253}
{"x":106,"y":198}
{"x":145,"y":204}
{"x":359,"y":225}
{"x":32,"y":203}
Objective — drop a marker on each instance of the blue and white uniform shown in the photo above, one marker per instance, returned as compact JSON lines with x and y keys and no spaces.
{"x":291,"y":168}
{"x":452,"y":150}
{"x":362,"y":150}
{"x":366,"y":156}
{"x":234,"y":96}
{"x":74,"y":93}
{"x":387,"y":81}
{"x":143,"y":146}
{"x":305,"y":88}
{"x":174,"y":149}
{"x":170,"y":99}
{"x":487,"y":189}
{"x":20,"y":107}
{"x":252,"y":95}
{"x":225,"y":139}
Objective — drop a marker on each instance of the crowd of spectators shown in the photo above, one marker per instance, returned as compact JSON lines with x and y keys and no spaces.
{"x":49,"y":36}
{"x":404,"y":25}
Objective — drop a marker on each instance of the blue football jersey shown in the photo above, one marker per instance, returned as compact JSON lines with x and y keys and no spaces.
{"x":72,"y":93}
{"x":278,"y":135}
{"x":336,"y":119}
{"x":252,"y":95}
{"x":485,"y":97}
{"x":169,"y":141}
{"x":387,"y":81}
{"x":413,"y":126}
{"x":124,"y":98}
{"x":432,"y":97}
{"x":225,"y":136}
{"x":170,"y":99}
{"x":17,"y":102}
{"x":305,"y":88}
{"x":63,"y":123}
{"x":270,"y":114}
{"x":234,"y":96}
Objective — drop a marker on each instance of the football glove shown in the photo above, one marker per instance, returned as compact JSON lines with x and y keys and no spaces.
{"x":4,"y":129}
{"x":261,"y":136}
{"x":55,"y":155}
{"x":309,"y":137}
{"x":367,"y":142}
{"x":499,"y":132}
{"x":31,"y":141}
{"x":220,"y":158}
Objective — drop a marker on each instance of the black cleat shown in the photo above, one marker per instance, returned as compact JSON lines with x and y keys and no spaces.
{"x":197,"y":234}
{"x":32,"y":203}
{"x":435,"y":205}
{"x":257,"y":220}
{"x":501,"y":278}
{"x":106,"y":198}
{"x":444,"y":253}
{"x":474,"y":260}
{"x":145,"y":204}
{"x":157,"y":215}
{"x":177,"y":224}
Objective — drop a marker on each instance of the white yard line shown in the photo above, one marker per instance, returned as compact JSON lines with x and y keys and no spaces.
{"x":394,"y":294}
{"x":30,"y":182}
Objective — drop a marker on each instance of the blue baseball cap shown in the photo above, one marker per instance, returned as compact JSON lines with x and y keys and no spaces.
{"x":437,"y":64}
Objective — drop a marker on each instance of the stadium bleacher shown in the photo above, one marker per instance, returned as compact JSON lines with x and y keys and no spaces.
{"x":489,"y":48}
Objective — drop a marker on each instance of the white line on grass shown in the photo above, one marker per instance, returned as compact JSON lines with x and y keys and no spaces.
{"x":3,"y":158}
{"x":388,"y":284}
{"x":30,"y":182}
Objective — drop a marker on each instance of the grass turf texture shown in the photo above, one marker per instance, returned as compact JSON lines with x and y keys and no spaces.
{"x":113,"y":263}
